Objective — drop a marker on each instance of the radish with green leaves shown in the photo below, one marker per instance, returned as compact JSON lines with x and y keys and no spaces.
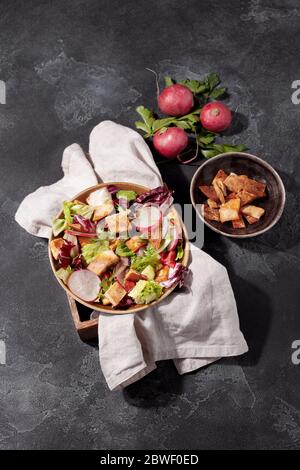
{"x":170,"y":142}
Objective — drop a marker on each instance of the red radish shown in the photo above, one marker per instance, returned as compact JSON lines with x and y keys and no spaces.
{"x":169,"y":258}
{"x":171,"y":142}
{"x":175,"y":100}
{"x":84,"y":284}
{"x":215,"y":116}
{"x":147,"y":218}
{"x":129,"y":285}
{"x":81,"y":234}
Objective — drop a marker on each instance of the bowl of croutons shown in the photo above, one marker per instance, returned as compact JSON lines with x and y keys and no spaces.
{"x":238,"y":194}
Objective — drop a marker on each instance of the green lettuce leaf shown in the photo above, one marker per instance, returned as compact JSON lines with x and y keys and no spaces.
{"x":180,"y":253}
{"x":129,"y":195}
{"x":146,"y":291}
{"x":58,"y":226}
{"x":93,"y":249}
{"x":149,"y":257}
{"x":64,"y":273}
{"x":123,"y":250}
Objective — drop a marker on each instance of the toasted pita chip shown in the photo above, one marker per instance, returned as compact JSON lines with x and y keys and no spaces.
{"x":227,"y":214}
{"x":239,"y":223}
{"x":250,"y":220}
{"x":235,"y":183}
{"x":212,"y":204}
{"x":246,"y":197}
{"x":211,"y":214}
{"x":219,"y":191}
{"x":253,"y":211}
{"x":209,"y":192}
{"x":218,"y":184}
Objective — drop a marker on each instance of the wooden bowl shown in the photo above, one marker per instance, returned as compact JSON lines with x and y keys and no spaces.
{"x":94,"y":305}
{"x":254,"y":167}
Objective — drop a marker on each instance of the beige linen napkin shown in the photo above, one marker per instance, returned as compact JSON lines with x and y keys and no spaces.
{"x":194,"y":326}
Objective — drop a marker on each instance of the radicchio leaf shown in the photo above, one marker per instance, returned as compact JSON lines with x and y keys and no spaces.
{"x":64,"y":256}
{"x":87,"y":226}
{"x":111,"y":188}
{"x":157,"y":195}
{"x":177,"y":274}
{"x":77,"y":263}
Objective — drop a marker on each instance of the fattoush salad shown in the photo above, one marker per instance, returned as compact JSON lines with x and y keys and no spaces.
{"x":119,"y":248}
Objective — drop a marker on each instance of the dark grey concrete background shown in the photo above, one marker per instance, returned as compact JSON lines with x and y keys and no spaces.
{"x":69,"y":65}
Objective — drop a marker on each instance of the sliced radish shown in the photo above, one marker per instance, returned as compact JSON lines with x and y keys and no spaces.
{"x":84,"y":284}
{"x":81,"y":234}
{"x":147,"y":218}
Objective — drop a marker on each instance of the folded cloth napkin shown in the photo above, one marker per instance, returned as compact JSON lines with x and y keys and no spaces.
{"x":193,"y":326}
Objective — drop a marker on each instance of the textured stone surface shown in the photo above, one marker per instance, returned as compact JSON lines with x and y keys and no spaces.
{"x":68,"y":65}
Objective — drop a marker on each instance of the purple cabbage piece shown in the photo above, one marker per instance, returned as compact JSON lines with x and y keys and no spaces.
{"x":64,"y":255}
{"x":178,"y":274}
{"x":112,"y":189}
{"x":158,"y":195}
{"x":126,"y":302}
{"x":77,"y":263}
{"x":86,"y":225}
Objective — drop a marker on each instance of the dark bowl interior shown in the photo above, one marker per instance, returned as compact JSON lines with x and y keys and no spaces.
{"x":252,"y":166}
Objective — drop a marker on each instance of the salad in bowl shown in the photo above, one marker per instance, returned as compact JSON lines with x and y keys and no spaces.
{"x":118,"y":247}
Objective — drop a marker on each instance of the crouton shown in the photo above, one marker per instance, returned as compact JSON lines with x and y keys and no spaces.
{"x":115,"y":294}
{"x":55,"y":246}
{"x":162,"y":274}
{"x":114,"y":243}
{"x":135,"y":243}
{"x":103,"y":211}
{"x":118,"y":223}
{"x":156,"y":236}
{"x":84,"y":241}
{"x":209,"y":192}
{"x":134,"y":276}
{"x":211,"y":214}
{"x":253,"y":211}
{"x":103,"y":261}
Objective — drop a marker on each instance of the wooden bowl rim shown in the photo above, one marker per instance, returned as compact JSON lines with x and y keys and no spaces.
{"x":110,"y":310}
{"x":248,"y":156}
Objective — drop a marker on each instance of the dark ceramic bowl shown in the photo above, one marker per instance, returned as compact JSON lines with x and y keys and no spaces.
{"x":254,"y":167}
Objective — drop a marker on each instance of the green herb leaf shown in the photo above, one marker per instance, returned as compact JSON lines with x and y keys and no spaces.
{"x":211,"y":81}
{"x":217,"y":93}
{"x":160,"y":123}
{"x":148,"y":118}
{"x":168,"y":81}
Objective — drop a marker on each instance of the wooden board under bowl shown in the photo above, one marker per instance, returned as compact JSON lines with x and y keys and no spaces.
{"x":87,"y":329}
